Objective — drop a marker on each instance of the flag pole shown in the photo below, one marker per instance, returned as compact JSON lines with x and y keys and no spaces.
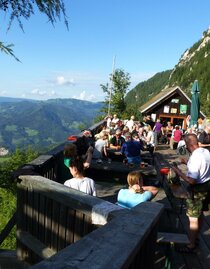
{"x":110,"y":88}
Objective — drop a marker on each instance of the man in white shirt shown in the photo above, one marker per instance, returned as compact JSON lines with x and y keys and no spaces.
{"x":130,"y":124}
{"x":198,"y":178}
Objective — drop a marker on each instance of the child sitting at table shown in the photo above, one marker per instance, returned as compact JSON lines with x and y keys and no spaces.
{"x":136,"y":192}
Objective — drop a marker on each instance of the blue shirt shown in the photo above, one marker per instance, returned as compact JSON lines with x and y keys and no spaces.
{"x":129,"y":199}
{"x":131,"y":148}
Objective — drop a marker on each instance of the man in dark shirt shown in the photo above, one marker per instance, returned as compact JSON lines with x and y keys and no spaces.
{"x":149,"y":121}
{"x":115,"y":145}
{"x":117,"y":140}
{"x":132,"y":149}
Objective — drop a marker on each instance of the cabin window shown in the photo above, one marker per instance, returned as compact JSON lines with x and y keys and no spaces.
{"x":173,"y":110}
{"x":175,"y":100}
{"x":166,"y":109}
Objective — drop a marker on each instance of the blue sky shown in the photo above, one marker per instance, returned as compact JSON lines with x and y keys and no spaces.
{"x":146,"y":36}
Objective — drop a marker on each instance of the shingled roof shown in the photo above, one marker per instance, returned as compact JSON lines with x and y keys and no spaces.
{"x":161,"y":96}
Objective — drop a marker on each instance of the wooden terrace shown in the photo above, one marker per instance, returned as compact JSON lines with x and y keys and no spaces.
{"x":58,"y":227}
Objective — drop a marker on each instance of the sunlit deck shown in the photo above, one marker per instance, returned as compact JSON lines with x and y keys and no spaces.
{"x":52,"y":219}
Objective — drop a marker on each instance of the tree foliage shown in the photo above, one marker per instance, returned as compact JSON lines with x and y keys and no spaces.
{"x":19,"y":9}
{"x":8,"y":190}
{"x":115,"y":94}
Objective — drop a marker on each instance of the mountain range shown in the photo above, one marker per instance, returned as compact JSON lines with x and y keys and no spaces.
{"x":194,"y":64}
{"x":43,"y":124}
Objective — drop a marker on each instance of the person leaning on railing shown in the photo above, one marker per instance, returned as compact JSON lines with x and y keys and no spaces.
{"x":198,"y":178}
{"x":79,"y":181}
{"x":136,"y":192}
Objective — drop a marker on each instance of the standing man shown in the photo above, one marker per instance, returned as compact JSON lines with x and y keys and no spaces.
{"x":198,"y":178}
{"x":204,"y":137}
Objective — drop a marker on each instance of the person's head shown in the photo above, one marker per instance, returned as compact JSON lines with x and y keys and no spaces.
{"x":125,"y":129}
{"x":148,"y":128}
{"x":135,"y":136}
{"x":105,"y":136}
{"x":135,"y":181}
{"x":158,"y":120}
{"x":207,"y":126}
{"x":134,"y":177}
{"x":132,"y":117}
{"x":127,"y":136}
{"x":70,"y":150}
{"x":191,"y":142}
{"x":76,"y":167}
{"x":118,"y":132}
{"x":177,"y":127}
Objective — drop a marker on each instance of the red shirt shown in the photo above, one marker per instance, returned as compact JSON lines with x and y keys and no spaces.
{"x":177,"y":135}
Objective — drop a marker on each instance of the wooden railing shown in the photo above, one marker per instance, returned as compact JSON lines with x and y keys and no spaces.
{"x":51,"y":217}
{"x":54,"y":220}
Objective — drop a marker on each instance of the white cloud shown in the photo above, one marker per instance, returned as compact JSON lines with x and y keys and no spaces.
{"x":3,"y":93}
{"x":38,"y":92}
{"x":62,"y":81}
{"x":84,"y":96}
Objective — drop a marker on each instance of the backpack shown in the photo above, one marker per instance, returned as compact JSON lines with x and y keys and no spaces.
{"x":181,"y":150}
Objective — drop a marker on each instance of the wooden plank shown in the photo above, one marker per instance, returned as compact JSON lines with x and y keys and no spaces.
{"x":172,"y":238}
{"x":70,"y":220}
{"x":115,"y":245}
{"x":42,"y":227}
{"x":22,"y":196}
{"x":62,"y":228}
{"x":48,"y":222}
{"x":55,"y":225}
{"x":78,"y":226}
{"x":7,"y":229}
{"x":35,"y":245}
{"x":62,"y":194}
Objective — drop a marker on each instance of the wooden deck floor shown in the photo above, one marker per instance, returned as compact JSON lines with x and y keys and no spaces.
{"x":173,"y":220}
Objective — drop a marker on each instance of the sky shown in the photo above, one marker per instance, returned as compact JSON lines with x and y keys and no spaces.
{"x":143,"y":36}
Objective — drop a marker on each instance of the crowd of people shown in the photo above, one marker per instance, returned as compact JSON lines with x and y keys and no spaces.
{"x":129,"y":138}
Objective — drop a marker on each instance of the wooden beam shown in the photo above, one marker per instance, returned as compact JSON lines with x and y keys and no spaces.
{"x":35,"y":245}
{"x":7,"y":229}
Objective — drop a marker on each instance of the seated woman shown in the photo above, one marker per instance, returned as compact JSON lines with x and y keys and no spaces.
{"x":100,"y":147}
{"x":136,"y":192}
{"x":79,"y":181}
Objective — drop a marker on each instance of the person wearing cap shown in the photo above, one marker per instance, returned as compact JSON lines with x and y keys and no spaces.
{"x":132,"y":149}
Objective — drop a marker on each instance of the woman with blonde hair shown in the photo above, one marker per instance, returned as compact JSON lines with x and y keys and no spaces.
{"x":150,"y":139}
{"x":136,"y":192}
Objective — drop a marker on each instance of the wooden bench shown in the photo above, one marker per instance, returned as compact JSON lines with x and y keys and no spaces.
{"x":170,"y":239}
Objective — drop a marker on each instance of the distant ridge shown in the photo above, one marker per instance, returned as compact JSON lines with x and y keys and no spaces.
{"x":194,"y":64}
{"x":43,"y":124}
{"x":4,"y":99}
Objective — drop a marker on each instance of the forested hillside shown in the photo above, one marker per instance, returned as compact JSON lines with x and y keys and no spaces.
{"x":43,"y":124}
{"x":193,"y":65}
